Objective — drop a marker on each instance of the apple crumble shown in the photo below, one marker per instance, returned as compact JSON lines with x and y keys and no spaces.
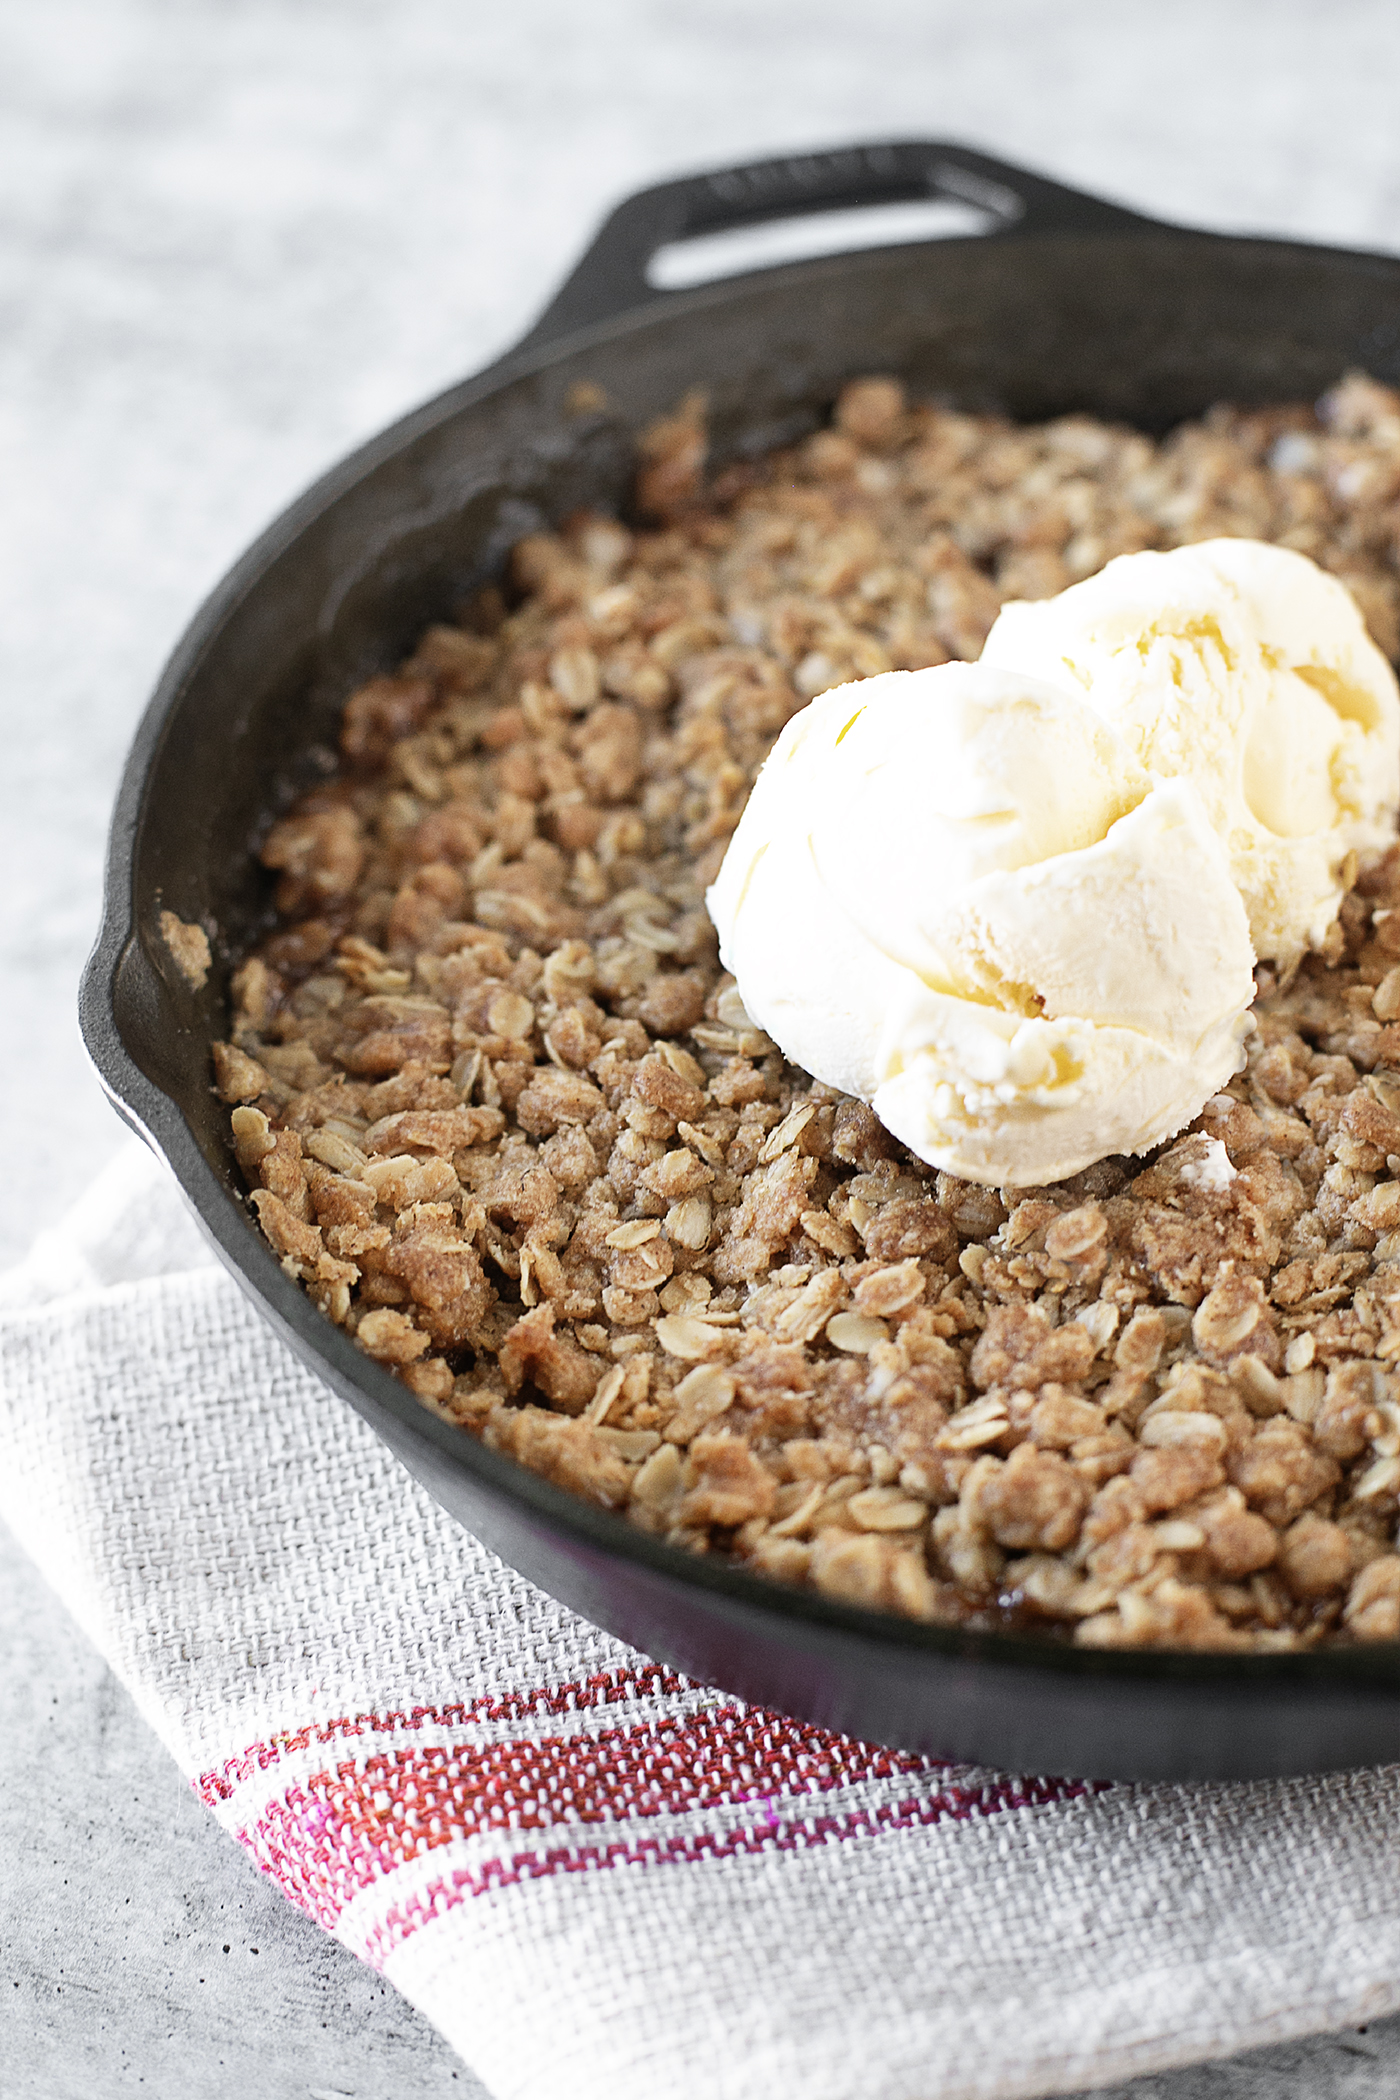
{"x":504,"y":1116}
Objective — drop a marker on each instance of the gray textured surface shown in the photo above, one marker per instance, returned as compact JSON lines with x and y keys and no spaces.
{"x":232,"y":242}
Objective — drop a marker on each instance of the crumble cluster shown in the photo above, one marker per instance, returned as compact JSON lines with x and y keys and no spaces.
{"x":504,"y":1116}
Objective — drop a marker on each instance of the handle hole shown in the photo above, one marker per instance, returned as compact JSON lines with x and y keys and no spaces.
{"x":680,"y":265}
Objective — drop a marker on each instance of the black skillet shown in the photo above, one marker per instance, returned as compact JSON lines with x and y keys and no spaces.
{"x":1066,"y":302}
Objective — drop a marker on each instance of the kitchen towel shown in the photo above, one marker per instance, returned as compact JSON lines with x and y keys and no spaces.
{"x":576,"y":1863}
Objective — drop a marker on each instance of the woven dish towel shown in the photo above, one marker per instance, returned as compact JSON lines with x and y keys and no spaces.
{"x":572,"y":1860}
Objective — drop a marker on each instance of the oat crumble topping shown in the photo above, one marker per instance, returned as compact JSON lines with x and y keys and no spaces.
{"x":189,"y":949}
{"x":505,"y":1117}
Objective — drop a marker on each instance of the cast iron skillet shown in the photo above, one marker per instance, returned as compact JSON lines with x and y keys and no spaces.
{"x":1066,"y":303}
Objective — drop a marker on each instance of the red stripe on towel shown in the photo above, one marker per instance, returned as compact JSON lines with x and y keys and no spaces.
{"x":326,"y":1841}
{"x":954,"y":1804}
{"x":608,"y":1688}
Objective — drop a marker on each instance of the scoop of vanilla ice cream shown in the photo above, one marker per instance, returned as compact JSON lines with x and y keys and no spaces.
{"x":956,"y":893}
{"x":1247,"y":670}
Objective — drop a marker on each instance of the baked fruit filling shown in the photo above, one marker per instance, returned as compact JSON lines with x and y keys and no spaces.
{"x":505,"y":1116}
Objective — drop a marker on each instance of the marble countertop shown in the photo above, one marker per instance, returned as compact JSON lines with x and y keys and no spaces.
{"x":233,"y":242}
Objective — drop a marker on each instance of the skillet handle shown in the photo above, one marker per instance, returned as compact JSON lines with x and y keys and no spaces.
{"x":611,"y":279}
